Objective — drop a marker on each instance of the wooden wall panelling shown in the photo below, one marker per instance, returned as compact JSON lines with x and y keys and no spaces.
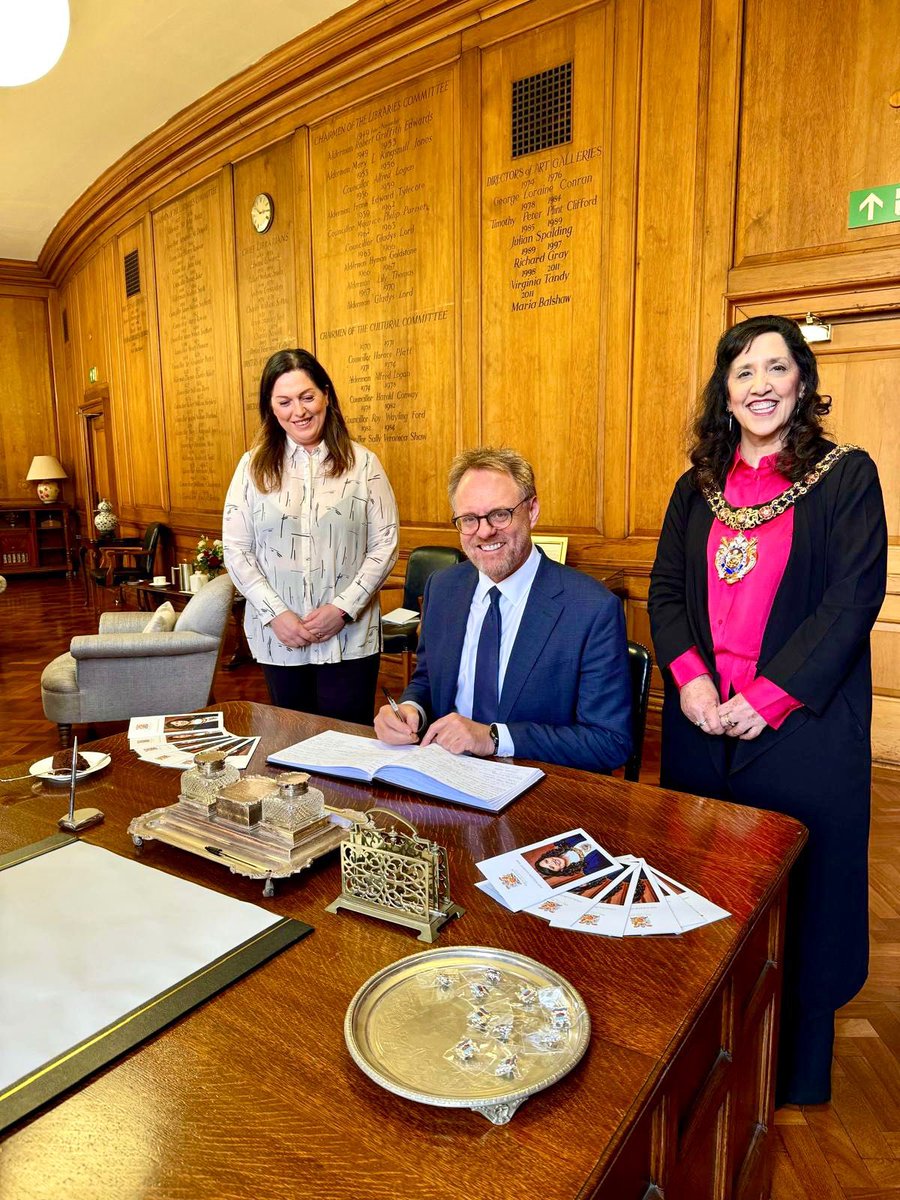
{"x":88,"y":305}
{"x":618,"y":281}
{"x":816,"y":123}
{"x":193,"y":249}
{"x":266,"y":267}
{"x":26,"y":392}
{"x":668,"y":241}
{"x":384,"y":196}
{"x":541,"y":267}
{"x":21,"y":278}
{"x":63,"y":406}
{"x":66,"y":379}
{"x":721,"y":71}
{"x":143,"y":482}
{"x":93,"y":319}
{"x":470,"y":326}
{"x":304,"y":272}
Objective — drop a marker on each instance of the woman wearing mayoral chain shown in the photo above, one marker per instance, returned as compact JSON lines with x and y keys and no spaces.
{"x":770,"y":573}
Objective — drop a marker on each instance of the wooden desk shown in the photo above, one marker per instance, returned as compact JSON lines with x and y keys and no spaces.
{"x":255,"y":1095}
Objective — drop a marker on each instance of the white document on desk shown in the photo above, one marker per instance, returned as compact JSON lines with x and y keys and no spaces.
{"x":88,"y":935}
{"x":400,"y":616}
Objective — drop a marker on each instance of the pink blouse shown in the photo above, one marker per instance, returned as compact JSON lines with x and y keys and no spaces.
{"x":738,"y":612}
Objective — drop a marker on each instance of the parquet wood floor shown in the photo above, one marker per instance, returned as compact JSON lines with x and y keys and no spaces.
{"x":846,"y":1150}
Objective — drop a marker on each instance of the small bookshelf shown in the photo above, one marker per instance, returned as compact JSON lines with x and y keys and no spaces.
{"x":35,"y":537}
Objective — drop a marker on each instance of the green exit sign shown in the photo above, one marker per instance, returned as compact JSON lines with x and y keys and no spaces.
{"x":875,"y":206}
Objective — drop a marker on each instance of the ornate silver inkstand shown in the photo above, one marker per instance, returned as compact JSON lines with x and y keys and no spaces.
{"x":263,"y":827}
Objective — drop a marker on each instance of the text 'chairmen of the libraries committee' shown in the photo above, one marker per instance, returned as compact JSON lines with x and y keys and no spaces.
{"x":517,"y":655}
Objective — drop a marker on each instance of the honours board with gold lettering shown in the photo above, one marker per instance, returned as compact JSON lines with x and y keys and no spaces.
{"x":542,"y":193}
{"x":203,"y":422}
{"x":383,"y":196}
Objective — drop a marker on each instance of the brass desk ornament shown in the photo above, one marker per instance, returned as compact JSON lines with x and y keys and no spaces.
{"x":396,"y":876}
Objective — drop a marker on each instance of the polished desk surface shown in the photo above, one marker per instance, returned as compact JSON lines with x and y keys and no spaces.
{"x":254,"y":1094}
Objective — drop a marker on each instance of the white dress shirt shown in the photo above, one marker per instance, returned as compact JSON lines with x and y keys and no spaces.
{"x":514,"y":593}
{"x":316,"y":540}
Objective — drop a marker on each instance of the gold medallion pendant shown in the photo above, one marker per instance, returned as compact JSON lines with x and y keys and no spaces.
{"x":735,"y":558}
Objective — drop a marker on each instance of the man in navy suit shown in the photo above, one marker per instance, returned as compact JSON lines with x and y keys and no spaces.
{"x":517,"y":654}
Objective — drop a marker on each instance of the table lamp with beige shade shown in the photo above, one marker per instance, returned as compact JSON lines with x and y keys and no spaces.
{"x":45,"y":470}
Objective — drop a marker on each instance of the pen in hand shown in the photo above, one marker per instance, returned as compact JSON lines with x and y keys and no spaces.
{"x":395,"y":707}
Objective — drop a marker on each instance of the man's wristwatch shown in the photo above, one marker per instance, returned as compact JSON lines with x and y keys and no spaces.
{"x":495,"y":736}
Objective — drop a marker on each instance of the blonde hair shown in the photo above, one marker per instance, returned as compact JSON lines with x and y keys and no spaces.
{"x":493,"y":458}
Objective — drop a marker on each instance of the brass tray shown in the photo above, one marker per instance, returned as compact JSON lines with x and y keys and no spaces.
{"x":441,"y":1028}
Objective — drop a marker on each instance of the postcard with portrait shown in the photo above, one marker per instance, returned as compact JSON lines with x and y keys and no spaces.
{"x":529,"y":874}
{"x":649,"y":912}
{"x":563,"y":909}
{"x":691,"y":910}
{"x":608,"y":913}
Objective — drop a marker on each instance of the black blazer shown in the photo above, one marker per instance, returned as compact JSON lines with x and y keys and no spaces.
{"x":817,"y":765}
{"x":816,"y":641}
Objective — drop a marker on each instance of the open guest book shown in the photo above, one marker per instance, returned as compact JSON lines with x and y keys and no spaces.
{"x":431,"y":770}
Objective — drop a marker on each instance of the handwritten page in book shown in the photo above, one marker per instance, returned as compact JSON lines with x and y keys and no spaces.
{"x":340,"y":751}
{"x":479,"y":777}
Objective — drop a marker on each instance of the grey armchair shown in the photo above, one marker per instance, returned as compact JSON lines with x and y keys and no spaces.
{"x":124,"y":671}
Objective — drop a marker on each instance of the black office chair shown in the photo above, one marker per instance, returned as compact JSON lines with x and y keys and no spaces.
{"x":640,"y":667}
{"x":144,"y":555}
{"x":423,"y":562}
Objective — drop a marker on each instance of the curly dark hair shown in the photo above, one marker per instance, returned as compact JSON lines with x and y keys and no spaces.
{"x":558,"y":850}
{"x":715,"y":436}
{"x":267,"y":458}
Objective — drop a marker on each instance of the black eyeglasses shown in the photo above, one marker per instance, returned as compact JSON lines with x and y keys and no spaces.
{"x":497,"y":518}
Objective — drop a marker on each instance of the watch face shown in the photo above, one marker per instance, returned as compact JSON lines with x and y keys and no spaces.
{"x":263,"y":212}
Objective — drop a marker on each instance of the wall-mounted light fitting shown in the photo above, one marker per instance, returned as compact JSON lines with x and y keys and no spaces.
{"x":814,"y":329}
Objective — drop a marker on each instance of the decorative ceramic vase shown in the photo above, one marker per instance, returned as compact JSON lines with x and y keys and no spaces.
{"x":48,"y":491}
{"x":105,"y":520}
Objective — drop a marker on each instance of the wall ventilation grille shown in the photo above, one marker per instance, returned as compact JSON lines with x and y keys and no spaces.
{"x":542,"y":110}
{"x":132,"y":274}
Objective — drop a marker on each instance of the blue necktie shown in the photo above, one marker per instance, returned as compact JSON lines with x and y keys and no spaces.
{"x":486,"y":696}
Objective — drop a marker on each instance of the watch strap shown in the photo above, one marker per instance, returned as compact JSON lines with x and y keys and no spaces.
{"x":495,"y":736}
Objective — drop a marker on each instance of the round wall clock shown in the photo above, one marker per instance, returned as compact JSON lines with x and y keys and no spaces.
{"x":262,"y":214}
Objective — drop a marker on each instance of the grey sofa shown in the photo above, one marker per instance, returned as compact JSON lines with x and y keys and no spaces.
{"x":123,"y":671}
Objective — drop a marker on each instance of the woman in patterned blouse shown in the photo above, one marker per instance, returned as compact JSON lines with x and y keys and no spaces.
{"x":310,"y":535}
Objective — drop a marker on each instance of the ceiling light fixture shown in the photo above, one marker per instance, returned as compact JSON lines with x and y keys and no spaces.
{"x":33,"y":35}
